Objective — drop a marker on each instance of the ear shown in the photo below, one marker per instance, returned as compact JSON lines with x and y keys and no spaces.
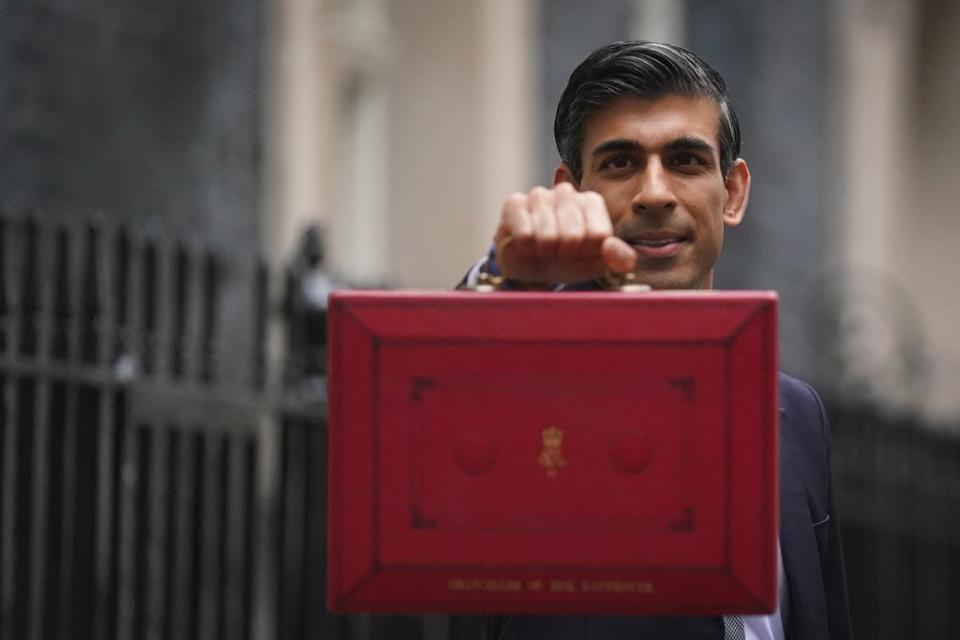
{"x":737,"y":186}
{"x":563,"y":174}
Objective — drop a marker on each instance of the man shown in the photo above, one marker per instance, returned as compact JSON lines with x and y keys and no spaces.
{"x":651,"y":175}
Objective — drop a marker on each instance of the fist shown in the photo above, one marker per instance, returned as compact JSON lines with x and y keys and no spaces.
{"x":557,"y":235}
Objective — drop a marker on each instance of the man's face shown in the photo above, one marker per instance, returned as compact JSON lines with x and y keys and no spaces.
{"x":657,"y":165}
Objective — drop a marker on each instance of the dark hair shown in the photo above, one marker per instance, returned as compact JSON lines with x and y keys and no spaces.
{"x":648,"y":70}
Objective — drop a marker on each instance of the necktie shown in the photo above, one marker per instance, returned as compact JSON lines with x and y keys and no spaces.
{"x":733,"y":628}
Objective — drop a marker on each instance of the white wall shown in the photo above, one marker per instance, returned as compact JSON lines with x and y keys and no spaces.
{"x":899,"y":225}
{"x":399,"y":124}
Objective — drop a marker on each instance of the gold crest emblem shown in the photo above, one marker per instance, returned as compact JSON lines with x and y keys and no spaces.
{"x":551,"y":456}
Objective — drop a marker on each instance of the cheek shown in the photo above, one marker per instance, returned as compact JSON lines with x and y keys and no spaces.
{"x":709,"y":210}
{"x":618,"y":203}
{"x":709,"y":216}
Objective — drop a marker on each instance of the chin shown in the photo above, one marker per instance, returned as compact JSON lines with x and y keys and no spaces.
{"x":670,"y":280}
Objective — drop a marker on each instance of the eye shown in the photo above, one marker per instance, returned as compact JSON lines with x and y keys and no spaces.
{"x":687,"y":160}
{"x":619,"y":161}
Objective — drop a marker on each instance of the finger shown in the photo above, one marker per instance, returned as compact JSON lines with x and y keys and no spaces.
{"x":544,"y":219}
{"x":517,"y":225}
{"x":618,"y":256}
{"x":570,"y":222}
{"x":597,"y":225}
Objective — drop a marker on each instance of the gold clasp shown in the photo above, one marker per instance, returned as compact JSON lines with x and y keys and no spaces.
{"x":622,"y":282}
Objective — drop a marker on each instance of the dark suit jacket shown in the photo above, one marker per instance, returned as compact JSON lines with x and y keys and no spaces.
{"x":809,"y":542}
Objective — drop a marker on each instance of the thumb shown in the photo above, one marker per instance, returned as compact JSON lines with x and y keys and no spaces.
{"x":617,"y":255}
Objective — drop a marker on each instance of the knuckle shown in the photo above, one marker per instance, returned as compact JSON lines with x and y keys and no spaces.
{"x":592,"y":197}
{"x":515,"y":202}
{"x":539,"y":192}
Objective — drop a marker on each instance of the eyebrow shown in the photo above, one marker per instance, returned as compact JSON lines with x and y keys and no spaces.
{"x":617,"y":144}
{"x":689,"y":143}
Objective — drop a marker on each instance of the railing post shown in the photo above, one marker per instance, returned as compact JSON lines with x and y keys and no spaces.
{"x":269,"y":472}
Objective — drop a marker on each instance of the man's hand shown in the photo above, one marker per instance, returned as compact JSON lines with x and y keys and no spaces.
{"x":558,"y":235}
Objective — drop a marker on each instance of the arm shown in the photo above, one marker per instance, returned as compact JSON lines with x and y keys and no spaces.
{"x":834,"y":573}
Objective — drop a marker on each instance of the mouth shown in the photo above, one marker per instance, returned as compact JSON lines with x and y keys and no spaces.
{"x":657,"y":244}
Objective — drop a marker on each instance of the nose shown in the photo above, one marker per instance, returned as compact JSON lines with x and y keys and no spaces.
{"x":653,"y":190}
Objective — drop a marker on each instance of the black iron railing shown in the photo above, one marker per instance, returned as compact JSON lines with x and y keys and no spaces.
{"x":129,"y":472}
{"x":154,"y":485}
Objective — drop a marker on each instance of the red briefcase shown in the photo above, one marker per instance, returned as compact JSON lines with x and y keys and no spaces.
{"x":553,"y":453}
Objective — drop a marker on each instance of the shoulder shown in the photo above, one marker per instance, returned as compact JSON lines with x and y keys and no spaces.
{"x":798,"y":395}
{"x":804,"y":427}
{"x":802,"y":408}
